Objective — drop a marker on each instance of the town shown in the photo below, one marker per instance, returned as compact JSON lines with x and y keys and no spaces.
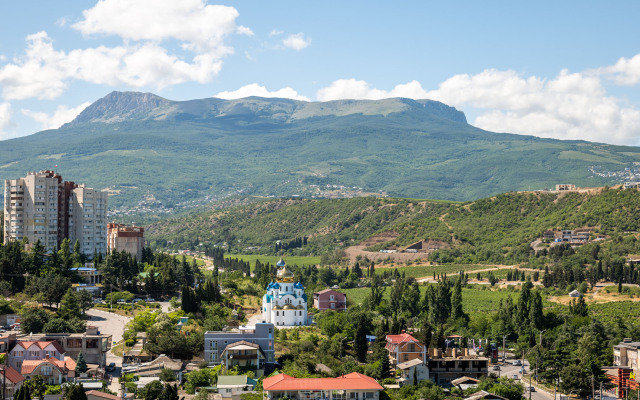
{"x":89,"y":308}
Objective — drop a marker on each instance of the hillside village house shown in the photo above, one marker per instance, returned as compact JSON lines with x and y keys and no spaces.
{"x":330,"y":299}
{"x":350,"y":386}
{"x":14,"y":381}
{"x":626,"y":353}
{"x":410,"y":369}
{"x":233,"y":386}
{"x":34,"y":350}
{"x":455,"y":363}
{"x":403,"y":348}
{"x":247,"y":346}
{"x":52,"y":370}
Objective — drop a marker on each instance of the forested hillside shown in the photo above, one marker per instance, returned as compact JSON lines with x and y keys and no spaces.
{"x":499,"y":229}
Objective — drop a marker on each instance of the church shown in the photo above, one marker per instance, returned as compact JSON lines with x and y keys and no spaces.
{"x":285,"y":303}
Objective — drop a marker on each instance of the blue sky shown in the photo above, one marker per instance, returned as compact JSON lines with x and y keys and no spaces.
{"x":567,"y":70}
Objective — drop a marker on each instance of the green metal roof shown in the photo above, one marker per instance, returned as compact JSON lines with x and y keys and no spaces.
{"x":235,"y":380}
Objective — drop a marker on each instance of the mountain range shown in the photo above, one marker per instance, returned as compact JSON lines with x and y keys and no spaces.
{"x":142,"y":146}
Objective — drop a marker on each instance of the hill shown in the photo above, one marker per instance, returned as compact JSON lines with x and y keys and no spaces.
{"x":142,"y":146}
{"x":496,"y":230}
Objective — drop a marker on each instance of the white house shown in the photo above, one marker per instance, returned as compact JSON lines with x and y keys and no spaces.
{"x":285,"y":303}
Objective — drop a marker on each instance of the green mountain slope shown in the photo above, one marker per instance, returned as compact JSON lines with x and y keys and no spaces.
{"x":499,"y":229}
{"x":140,"y":144}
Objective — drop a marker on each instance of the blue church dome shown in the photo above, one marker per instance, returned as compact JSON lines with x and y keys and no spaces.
{"x":280,"y":263}
{"x":298,"y":285}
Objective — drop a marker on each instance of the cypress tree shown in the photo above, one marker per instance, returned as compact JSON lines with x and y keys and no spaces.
{"x":360,"y":345}
{"x":81,"y":364}
{"x":456,"y":300}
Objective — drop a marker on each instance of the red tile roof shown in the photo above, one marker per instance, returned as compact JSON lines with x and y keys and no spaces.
{"x":41,"y":344}
{"x":102,"y":395}
{"x":402,"y":338}
{"x":13,"y":375}
{"x":352,"y":381}
{"x":29,"y":365}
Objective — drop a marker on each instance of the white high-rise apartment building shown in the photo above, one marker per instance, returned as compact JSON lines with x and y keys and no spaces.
{"x":41,"y":206}
{"x":88,"y":219}
{"x":31,"y":208}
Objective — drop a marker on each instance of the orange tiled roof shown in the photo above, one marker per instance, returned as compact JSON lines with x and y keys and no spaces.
{"x":103,"y":395}
{"x":402,"y":338}
{"x":41,"y":344}
{"x":13,"y":375}
{"x":352,"y":381}
{"x":29,"y":365}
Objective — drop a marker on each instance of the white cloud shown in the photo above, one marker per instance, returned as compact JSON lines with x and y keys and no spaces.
{"x":5,"y":119}
{"x":44,"y":72}
{"x":296,"y":41}
{"x":243,"y":30}
{"x":62,"y":115}
{"x":199,"y":26}
{"x":355,"y":89}
{"x":256,"y":90}
{"x":275,"y":32}
{"x":569,"y":106}
{"x":141,"y":61}
{"x":625,"y":72}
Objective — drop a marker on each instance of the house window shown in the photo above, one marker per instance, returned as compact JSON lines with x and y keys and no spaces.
{"x":333,"y":305}
{"x":214,"y":357}
{"x":412,"y":347}
{"x":406,"y":357}
{"x":331,"y":297}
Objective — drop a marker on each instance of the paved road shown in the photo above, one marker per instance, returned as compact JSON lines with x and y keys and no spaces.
{"x":107,"y":323}
{"x":110,"y":324}
{"x":510,"y":370}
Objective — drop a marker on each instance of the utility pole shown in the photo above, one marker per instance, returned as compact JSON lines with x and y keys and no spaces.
{"x":504,"y":348}
{"x":600,"y":390}
{"x":593,"y":388}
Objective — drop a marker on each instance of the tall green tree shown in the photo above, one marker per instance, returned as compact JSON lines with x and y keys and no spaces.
{"x":70,"y":306}
{"x":81,"y":364}
{"x":456,"y":300}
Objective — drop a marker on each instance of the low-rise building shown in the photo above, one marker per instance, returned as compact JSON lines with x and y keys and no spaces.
{"x":410,"y":370}
{"x":404,"y":347}
{"x":92,"y":344}
{"x":465,"y":383}
{"x":249,"y":345}
{"x":98,"y":395}
{"x":233,"y":386}
{"x":350,"y":386}
{"x":625,"y":354}
{"x":126,"y":238}
{"x":483,"y":395}
{"x":14,"y":380}
{"x":52,"y":370}
{"x":330,"y":299}
{"x":455,"y":363}
{"x":34,"y":350}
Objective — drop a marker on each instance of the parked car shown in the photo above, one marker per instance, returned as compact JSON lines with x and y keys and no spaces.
{"x":111,"y":367}
{"x":517,"y":363}
{"x":532,"y":388}
{"x":496,"y":368}
{"x":514,"y":376}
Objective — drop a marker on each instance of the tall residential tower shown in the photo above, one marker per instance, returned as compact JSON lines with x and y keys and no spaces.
{"x":41,"y":206}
